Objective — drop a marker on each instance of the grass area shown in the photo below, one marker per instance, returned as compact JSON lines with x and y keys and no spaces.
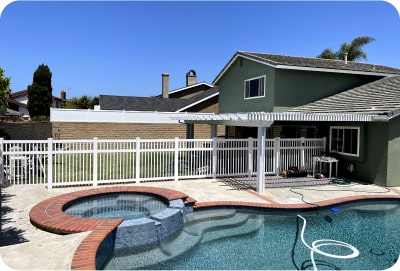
{"x":122,"y":165}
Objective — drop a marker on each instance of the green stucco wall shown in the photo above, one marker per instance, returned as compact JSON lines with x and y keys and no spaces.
{"x":373,"y":167}
{"x":284,"y":88}
{"x":380,"y":162}
{"x":296,"y":87}
{"x":393,"y":172}
{"x":231,"y":85}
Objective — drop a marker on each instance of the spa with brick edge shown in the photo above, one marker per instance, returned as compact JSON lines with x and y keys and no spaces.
{"x":49,"y":216}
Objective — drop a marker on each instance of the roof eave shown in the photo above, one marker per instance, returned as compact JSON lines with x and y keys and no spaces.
{"x":197,"y":102}
{"x":302,"y":68}
{"x":291,"y":67}
{"x":190,"y":86}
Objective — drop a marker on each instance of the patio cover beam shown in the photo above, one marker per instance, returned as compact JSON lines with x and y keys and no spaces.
{"x":262,"y":120}
{"x":259,"y":119}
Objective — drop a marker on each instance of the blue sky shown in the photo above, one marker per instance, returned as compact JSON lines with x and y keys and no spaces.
{"x":122,"y":48}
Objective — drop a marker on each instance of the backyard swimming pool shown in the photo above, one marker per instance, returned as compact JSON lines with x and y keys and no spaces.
{"x":361,"y":236}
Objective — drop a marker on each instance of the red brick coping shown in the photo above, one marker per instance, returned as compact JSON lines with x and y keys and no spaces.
{"x":48,"y":215}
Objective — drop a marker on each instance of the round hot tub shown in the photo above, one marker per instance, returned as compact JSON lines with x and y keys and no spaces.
{"x":117,"y":205}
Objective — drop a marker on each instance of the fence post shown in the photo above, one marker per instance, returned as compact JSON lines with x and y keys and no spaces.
{"x":277,"y":155}
{"x":250,"y":157}
{"x":214,"y":157}
{"x":137,"y":166}
{"x":176,"y":159}
{"x":95,"y":159}
{"x":49,"y":163}
{"x":302,"y":154}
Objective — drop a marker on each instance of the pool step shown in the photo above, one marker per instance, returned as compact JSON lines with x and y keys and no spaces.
{"x":251,"y":225}
{"x":209,"y":227}
{"x":200,"y":227}
{"x":154,"y":255}
{"x":195,"y":222}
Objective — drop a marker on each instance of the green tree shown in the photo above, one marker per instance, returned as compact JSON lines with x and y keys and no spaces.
{"x":353,"y":50}
{"x":4,"y":88}
{"x":83,"y":102}
{"x":40,"y":95}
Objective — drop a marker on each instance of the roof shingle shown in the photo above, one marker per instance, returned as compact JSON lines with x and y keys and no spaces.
{"x":321,"y":63}
{"x":132,"y":103}
{"x":378,"y":97}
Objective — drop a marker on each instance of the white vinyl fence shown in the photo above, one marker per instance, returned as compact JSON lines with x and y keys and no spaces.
{"x":92,"y":162}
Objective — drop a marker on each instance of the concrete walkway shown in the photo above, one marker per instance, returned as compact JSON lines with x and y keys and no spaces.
{"x":24,"y":247}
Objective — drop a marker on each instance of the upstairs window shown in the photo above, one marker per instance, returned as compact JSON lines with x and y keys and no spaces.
{"x":345,"y":140}
{"x":254,"y":87}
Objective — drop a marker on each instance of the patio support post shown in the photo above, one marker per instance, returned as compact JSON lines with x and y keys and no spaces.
{"x":260,"y":185}
{"x":302,"y":154}
{"x":214,"y":131}
{"x":250,"y":145}
{"x":277,"y":154}
{"x":214,"y":157}
{"x":189,"y":131}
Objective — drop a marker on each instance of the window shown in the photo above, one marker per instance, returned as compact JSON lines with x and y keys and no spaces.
{"x":254,"y":87}
{"x":345,"y":140}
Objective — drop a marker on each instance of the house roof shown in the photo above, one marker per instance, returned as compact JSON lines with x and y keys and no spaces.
{"x":191,"y":86}
{"x":132,"y":103}
{"x":311,"y":64}
{"x":18,"y":94}
{"x":24,"y":93}
{"x":378,"y":97}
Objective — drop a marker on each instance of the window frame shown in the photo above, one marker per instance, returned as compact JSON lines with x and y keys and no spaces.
{"x":341,"y":132}
{"x":252,"y":79}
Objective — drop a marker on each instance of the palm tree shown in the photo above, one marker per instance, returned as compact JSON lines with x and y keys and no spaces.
{"x":327,"y":54}
{"x":353,"y":51}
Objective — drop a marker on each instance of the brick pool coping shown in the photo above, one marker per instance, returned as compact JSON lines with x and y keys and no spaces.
{"x":49,"y":216}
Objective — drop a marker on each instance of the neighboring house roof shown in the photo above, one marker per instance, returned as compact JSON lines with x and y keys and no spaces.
{"x":310,"y":64}
{"x":18,"y":94}
{"x":12,"y":101}
{"x":378,"y":97}
{"x":132,"y":103}
{"x":186,"y":88}
{"x":23,"y":93}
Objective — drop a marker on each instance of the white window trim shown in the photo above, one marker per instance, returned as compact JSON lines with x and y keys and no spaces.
{"x":244,"y":87}
{"x":345,"y":127}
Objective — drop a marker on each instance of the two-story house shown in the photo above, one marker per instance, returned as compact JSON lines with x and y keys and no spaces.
{"x":356,"y":106}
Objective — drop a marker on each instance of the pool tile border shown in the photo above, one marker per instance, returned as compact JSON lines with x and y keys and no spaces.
{"x":48,"y":215}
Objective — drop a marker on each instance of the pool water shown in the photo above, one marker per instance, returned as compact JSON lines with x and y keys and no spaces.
{"x":117,"y":205}
{"x":229,"y":239}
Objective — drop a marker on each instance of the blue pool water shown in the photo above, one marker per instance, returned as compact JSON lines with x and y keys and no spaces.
{"x":117,"y":205}
{"x":229,"y":239}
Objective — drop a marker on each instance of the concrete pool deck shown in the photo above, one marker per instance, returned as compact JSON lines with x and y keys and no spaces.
{"x":25,"y":247}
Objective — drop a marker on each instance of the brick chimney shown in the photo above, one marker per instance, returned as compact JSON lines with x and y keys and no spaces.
{"x":191,"y":78}
{"x":165,"y":85}
{"x":63,"y":95}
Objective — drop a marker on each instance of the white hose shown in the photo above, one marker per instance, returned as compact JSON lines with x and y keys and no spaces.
{"x":326,"y":242}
